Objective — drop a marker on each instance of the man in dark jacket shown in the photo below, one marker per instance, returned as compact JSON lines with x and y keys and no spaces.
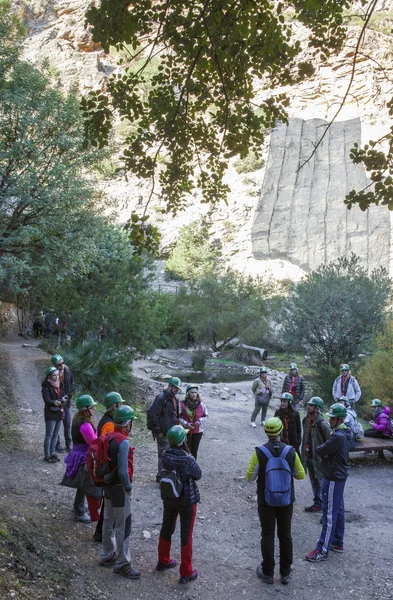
{"x":315,"y":432}
{"x":164,"y":414}
{"x":294,"y":384}
{"x":268,"y":515}
{"x":67,"y":382}
{"x":116,"y":529}
{"x":335,"y":466}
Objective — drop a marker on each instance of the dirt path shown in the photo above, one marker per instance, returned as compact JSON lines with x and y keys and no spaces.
{"x":227,"y":534}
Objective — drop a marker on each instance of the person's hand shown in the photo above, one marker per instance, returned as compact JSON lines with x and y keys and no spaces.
{"x":57,"y":403}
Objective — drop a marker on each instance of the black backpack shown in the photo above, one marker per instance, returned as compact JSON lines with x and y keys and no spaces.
{"x":171,"y":486}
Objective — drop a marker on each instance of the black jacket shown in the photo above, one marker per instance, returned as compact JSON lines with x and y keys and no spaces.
{"x":275,"y":448}
{"x":49,"y":396}
{"x":299,"y":387}
{"x":68,"y":386}
{"x":335,"y":454}
{"x":294,"y":428}
{"x":189,"y":472}
{"x":164,"y":412}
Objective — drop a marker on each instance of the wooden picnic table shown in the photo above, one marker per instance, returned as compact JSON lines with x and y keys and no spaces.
{"x":371,"y":443}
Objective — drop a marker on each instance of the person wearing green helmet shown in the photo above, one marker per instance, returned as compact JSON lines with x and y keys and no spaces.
{"x":346,"y":385}
{"x":177,"y":457}
{"x":294,"y":384}
{"x":116,"y":530}
{"x":269,"y":514}
{"x":83,"y":432}
{"x":292,"y":429}
{"x":315,"y":432}
{"x":380,"y":423}
{"x":67,"y":382}
{"x":262,"y":390}
{"x":53,"y":396}
{"x":193,"y":414}
{"x":163,"y":413}
{"x":334,"y":454}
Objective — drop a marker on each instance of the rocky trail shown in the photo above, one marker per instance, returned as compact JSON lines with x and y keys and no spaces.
{"x":45,"y":555}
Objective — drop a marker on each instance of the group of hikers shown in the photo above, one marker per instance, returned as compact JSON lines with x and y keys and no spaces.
{"x":103,"y":495}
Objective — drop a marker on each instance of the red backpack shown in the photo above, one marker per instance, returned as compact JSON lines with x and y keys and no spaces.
{"x":98,"y":462}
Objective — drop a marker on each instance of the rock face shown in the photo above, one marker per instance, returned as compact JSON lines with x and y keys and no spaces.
{"x":300,"y":216}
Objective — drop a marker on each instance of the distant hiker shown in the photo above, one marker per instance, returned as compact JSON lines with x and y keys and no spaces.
{"x":105,"y":425}
{"x":273,"y":506}
{"x":351,"y":421}
{"x":39,"y":326}
{"x":67,"y":381}
{"x":164,"y":413}
{"x":77,"y":476}
{"x":380,"y":424}
{"x":346,"y":385}
{"x":292,"y":429}
{"x":116,"y":529}
{"x":262,"y":390}
{"x":315,"y":432}
{"x":54,"y":397}
{"x":190,"y":339}
{"x":178,"y":458}
{"x":294,"y":384}
{"x":193,"y":414}
{"x":335,"y":466}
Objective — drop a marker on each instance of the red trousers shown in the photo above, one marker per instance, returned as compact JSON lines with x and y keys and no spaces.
{"x":187,"y":519}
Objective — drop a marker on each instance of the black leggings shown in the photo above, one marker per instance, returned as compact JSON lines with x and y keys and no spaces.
{"x":193,"y":441}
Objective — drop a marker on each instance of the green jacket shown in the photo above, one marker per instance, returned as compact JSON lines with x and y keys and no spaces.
{"x":320,"y":431}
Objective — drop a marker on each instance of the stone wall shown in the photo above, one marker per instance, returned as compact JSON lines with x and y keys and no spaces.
{"x":8,"y":318}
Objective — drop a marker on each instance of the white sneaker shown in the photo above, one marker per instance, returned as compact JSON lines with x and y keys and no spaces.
{"x":252,"y":424}
{"x":262,"y":423}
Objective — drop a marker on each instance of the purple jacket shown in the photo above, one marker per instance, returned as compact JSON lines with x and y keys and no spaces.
{"x":382,"y":422}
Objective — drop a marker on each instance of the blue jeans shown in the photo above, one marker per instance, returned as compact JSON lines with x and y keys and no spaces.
{"x":67,"y":428}
{"x":52,"y":429}
{"x":333,"y":515}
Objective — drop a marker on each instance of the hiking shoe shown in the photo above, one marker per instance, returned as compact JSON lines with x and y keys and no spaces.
{"x":265,"y":578}
{"x":54,"y":458}
{"x":127,"y":572}
{"x":316,"y":556}
{"x":60,"y":448}
{"x":163,"y":566}
{"x":82,"y":518}
{"x":263,"y":423}
{"x":108,"y":562}
{"x":47,"y":459}
{"x":285,"y":579}
{"x":313,"y":508}
{"x":191,"y":577}
{"x":337,"y":548}
{"x":253,"y":424}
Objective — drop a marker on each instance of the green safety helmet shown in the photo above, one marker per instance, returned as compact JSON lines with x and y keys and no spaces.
{"x":293,"y":366}
{"x":112,"y":398}
{"x":176,"y":435}
{"x":175,"y":381}
{"x":84,"y":401}
{"x":345,"y":367}
{"x":345,"y":399}
{"x":337,"y":410}
{"x":287,"y":396}
{"x":273,"y":426}
{"x":263,"y":370}
{"x":123,"y":414}
{"x":376,"y":402}
{"x":50,"y":370}
{"x":191,"y":387}
{"x":56,"y":359}
{"x":316,"y":401}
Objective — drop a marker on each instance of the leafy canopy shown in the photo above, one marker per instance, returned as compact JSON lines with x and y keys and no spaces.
{"x":200,"y":107}
{"x":376,"y":373}
{"x":335,"y":310}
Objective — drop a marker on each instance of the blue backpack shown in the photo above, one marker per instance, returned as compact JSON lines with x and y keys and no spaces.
{"x":278,"y":478}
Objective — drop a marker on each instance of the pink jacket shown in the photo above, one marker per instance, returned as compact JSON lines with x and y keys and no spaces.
{"x":196,"y":417}
{"x":382,"y":422}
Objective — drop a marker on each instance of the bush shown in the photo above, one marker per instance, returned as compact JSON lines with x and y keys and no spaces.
{"x":251,"y":163}
{"x":199,"y":360}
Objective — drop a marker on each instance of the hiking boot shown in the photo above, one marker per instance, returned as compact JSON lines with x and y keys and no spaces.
{"x":313,"y":508}
{"x":127,"y":572}
{"x":163,"y":566}
{"x":266,"y":578}
{"x":263,"y":423}
{"x":84,"y":518}
{"x":54,"y":458}
{"x":285,"y":579}
{"x":60,"y":448}
{"x":47,"y":459}
{"x":337,"y":548}
{"x":108,"y":562}
{"x":191,"y":577}
{"x":316,"y":556}
{"x":253,"y":424}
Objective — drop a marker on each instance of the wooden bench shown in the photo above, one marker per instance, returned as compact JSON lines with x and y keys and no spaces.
{"x":370,"y":443}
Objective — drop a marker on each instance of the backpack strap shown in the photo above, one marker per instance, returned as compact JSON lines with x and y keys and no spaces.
{"x":269,"y":455}
{"x":285,"y":451}
{"x":266,"y":452}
